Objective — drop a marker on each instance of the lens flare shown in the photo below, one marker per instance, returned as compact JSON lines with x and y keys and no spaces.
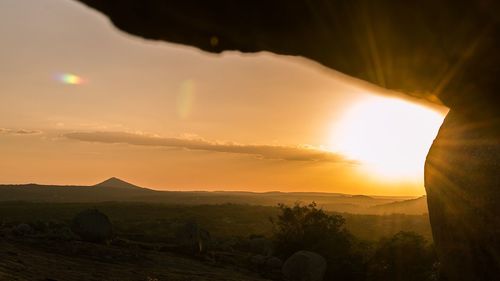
{"x":69,"y":79}
{"x":185,"y":98}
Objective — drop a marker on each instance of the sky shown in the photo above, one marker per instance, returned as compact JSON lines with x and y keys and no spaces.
{"x":81,"y":101}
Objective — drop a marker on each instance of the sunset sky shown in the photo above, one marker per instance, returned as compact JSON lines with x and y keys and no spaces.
{"x":81,"y":101}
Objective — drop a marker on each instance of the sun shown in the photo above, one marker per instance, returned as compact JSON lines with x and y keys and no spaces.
{"x":389,"y":137}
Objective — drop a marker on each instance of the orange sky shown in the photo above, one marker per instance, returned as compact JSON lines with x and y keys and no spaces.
{"x":171,"y":117}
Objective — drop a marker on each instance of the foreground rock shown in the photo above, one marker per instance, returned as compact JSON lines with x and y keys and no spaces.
{"x":92,"y":226}
{"x":304,"y":266}
{"x":462,"y":179}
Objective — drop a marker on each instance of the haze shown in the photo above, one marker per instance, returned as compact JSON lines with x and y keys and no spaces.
{"x":81,"y":101}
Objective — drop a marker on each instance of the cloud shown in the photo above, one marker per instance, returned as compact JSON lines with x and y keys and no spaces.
{"x":289,"y":153}
{"x":19,"y":132}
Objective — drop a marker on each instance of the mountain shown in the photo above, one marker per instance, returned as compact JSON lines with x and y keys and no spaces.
{"x":415,"y":206}
{"x":117,"y":190}
{"x":117,"y":183}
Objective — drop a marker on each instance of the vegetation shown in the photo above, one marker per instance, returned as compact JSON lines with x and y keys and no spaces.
{"x":404,"y":257}
{"x":243,"y":237}
{"x":308,"y":228}
{"x":153,"y":220}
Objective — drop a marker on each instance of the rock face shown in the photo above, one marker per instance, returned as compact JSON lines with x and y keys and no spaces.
{"x":462,"y":178}
{"x":439,"y":50}
{"x":92,"y":226}
{"x":304,"y":266}
{"x":426,"y":48}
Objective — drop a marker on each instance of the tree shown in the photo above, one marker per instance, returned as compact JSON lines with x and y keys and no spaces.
{"x":306,"y":227}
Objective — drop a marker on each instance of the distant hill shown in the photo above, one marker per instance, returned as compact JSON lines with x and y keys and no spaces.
{"x":117,"y":183}
{"x":117,"y":190}
{"x":412,"y":206}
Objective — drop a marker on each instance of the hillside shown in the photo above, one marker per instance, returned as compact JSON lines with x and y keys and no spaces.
{"x":117,"y":190}
{"x":415,"y":206}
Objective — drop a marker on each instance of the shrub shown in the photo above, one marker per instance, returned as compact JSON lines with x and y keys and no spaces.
{"x":306,"y":227}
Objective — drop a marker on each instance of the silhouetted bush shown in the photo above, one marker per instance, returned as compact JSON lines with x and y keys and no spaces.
{"x":306,"y":227}
{"x":404,"y":257}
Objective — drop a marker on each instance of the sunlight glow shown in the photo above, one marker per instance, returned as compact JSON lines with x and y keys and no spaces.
{"x":389,"y":137}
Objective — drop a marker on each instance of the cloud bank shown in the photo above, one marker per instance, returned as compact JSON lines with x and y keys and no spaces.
{"x":18,"y":132}
{"x":288,"y":153}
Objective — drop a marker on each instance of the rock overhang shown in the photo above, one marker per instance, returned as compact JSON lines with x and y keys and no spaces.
{"x":437,"y":50}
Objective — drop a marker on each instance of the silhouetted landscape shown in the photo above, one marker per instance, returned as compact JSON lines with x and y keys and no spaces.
{"x":350,"y":140}
{"x":117,"y":190}
{"x":200,"y":235}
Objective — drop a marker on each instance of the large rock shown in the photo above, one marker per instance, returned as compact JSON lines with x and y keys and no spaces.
{"x":426,"y":48}
{"x":304,"y":266}
{"x":92,"y":226}
{"x":462,"y":179}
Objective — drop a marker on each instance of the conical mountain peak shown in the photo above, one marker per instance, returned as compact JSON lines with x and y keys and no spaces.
{"x":116,"y":182}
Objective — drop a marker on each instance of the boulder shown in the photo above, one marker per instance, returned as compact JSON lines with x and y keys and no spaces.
{"x":92,"y":226}
{"x":462,"y":180}
{"x":304,"y":266}
{"x":22,"y":229}
{"x":193,"y":238}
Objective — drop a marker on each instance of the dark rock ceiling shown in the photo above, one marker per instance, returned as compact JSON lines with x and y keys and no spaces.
{"x":445,"y":49}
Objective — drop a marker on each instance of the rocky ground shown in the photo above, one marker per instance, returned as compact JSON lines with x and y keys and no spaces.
{"x":37,"y":259}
